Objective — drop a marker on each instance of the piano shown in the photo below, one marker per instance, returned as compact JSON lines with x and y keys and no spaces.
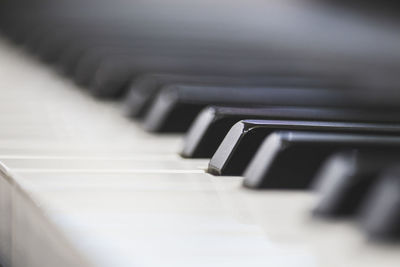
{"x":199,"y":133}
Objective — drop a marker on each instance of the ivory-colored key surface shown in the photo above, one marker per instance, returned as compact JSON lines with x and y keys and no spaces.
{"x":146,"y":164}
{"x":80,"y":185}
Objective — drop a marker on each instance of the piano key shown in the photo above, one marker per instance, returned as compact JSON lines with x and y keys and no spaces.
{"x":96,"y":49}
{"x":145,"y":88}
{"x":108,"y":75}
{"x":123,"y":57}
{"x":380,"y":217}
{"x":115,"y":72}
{"x":74,"y":50}
{"x":213,"y":123}
{"x":346,"y":178}
{"x":165,"y":114}
{"x":49,"y":45}
{"x":131,"y":41}
{"x":243,"y":140}
{"x":145,"y":164}
{"x":290,"y":160}
{"x":33,"y":39}
{"x":55,"y":38}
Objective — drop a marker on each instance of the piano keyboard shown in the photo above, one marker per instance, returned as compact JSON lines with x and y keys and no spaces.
{"x":82,"y":185}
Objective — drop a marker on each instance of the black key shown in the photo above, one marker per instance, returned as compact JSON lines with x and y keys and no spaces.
{"x":346,"y":178}
{"x":34,"y":39}
{"x":213,"y":123}
{"x":380,"y":216}
{"x":177,"y":106}
{"x":100,"y":63}
{"x":125,"y":57}
{"x":49,"y":45}
{"x":110,"y":76}
{"x":290,"y":160}
{"x":144,"y":89}
{"x":75,"y":50}
{"x":89,"y":63}
{"x":55,"y":41}
{"x":69,"y":58}
{"x":245,"y":137}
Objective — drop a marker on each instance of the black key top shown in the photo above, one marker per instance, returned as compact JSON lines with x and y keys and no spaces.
{"x":345,"y":180}
{"x":213,"y":123}
{"x":380,"y":216}
{"x":177,"y":106}
{"x":144,"y":89}
{"x":290,"y":160}
{"x":245,"y":137}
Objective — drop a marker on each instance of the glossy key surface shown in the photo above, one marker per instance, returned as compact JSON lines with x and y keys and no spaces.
{"x":245,"y":137}
{"x":213,"y":123}
{"x":290,"y":160}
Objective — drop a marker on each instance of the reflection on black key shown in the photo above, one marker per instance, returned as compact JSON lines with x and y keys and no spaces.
{"x":380,"y":216}
{"x":345,"y":180}
{"x":243,"y":140}
{"x":177,"y":106}
{"x":213,"y":123}
{"x":291,"y":160}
